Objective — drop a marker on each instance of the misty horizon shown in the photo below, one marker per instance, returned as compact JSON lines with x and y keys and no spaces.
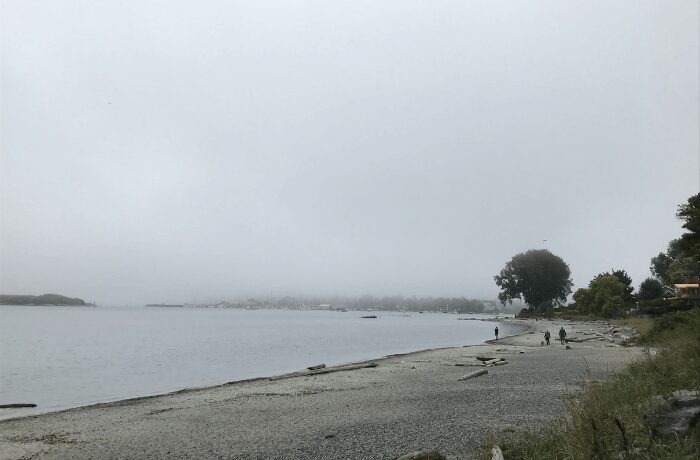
{"x":197,"y":153}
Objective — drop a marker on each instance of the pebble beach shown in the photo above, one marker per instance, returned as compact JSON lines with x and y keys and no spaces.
{"x":376,"y":410}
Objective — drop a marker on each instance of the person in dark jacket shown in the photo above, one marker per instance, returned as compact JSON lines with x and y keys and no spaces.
{"x":496,"y":332}
{"x":562,"y":335}
{"x":546,"y":337}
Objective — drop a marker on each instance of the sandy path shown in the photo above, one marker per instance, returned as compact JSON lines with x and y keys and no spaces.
{"x":407,"y":403}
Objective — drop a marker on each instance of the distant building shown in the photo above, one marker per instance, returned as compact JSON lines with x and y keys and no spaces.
{"x":687,"y":291}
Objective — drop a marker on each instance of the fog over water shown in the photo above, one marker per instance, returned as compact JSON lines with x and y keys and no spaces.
{"x":184,"y":152}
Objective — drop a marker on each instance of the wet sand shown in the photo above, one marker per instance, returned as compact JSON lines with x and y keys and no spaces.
{"x":405,"y":403}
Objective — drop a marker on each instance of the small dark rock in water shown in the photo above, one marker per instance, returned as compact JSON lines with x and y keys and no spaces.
{"x":674,"y":416}
{"x":329,"y":436}
{"x":315,"y":368}
{"x":423,"y":455}
{"x":369,"y":316}
{"x":16,"y":406}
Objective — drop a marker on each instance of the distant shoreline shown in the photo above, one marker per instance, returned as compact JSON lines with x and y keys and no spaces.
{"x":47,"y":300}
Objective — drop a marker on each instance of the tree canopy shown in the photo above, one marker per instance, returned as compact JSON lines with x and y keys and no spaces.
{"x":537,"y":276}
{"x":604,"y":296}
{"x":650,"y":289}
{"x":681,"y":261}
{"x":624,"y":278}
{"x":661,"y":263}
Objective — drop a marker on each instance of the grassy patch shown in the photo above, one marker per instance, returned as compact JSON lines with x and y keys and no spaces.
{"x":606,"y":418}
{"x":641,"y":325}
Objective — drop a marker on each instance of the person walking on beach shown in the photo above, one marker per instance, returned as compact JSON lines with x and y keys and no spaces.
{"x":546,"y":337}
{"x":562,"y":335}
{"x":496,"y":332}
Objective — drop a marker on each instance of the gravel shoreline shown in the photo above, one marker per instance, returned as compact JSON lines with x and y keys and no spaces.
{"x":408,"y":402}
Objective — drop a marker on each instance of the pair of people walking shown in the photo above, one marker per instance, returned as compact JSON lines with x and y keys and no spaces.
{"x":562,"y":336}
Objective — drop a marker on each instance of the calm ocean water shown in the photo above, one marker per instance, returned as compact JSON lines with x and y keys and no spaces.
{"x":61,"y":357}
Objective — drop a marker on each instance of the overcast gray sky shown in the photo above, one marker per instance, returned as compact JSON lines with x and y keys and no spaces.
{"x":181,"y":151}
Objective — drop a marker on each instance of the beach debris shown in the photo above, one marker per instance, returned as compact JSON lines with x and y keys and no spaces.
{"x":568,"y":347}
{"x":314,"y":368}
{"x":673,"y":416}
{"x":370,"y":317}
{"x":423,"y":455}
{"x":16,"y":405}
{"x":493,"y":362}
{"x":471,"y":375}
{"x":326,"y":370}
{"x":329,"y":436}
{"x":496,"y":453}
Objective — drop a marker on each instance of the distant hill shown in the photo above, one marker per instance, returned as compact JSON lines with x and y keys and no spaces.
{"x":44,"y":299}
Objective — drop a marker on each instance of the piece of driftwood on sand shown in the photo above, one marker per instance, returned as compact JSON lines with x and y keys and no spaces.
{"x":471,"y":375}
{"x":327,"y":370}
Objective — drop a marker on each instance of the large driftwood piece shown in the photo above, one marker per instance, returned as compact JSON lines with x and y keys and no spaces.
{"x":327,"y":370}
{"x":471,"y":375}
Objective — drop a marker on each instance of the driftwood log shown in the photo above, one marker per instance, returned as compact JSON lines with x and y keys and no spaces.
{"x":16,"y":406}
{"x":327,"y":370}
{"x":471,"y":375}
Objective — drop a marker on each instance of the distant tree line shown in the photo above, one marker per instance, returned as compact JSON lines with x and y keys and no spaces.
{"x":44,"y":299}
{"x":365,"y":302}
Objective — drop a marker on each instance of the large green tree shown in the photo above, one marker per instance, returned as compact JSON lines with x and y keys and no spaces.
{"x":624,"y":278}
{"x":689,"y":243}
{"x":537,"y":276}
{"x":604,"y":296}
{"x":650,"y":289}
{"x":661,"y":263}
{"x":681,"y":261}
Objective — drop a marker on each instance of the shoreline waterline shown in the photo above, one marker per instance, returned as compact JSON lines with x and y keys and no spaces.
{"x":409,"y":402}
{"x":38,"y":412}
